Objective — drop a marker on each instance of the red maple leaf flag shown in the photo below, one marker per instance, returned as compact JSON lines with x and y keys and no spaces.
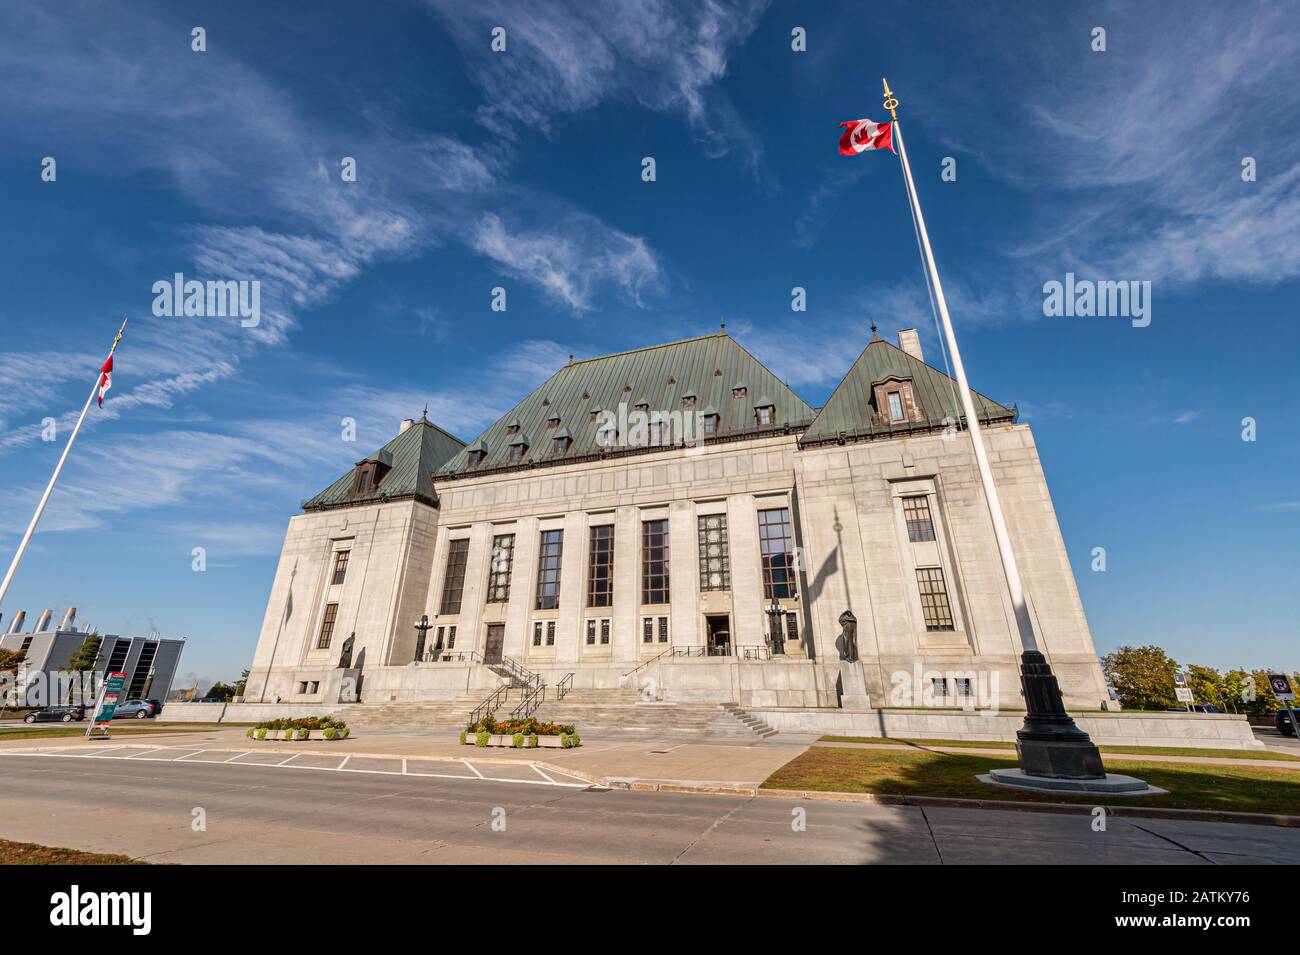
{"x":105,"y":379}
{"x":863,"y":135}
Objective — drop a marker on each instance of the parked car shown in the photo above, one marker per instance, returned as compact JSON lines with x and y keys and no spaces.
{"x":1207,"y":708}
{"x":154,"y":705}
{"x":133,"y":709}
{"x":157,"y":706}
{"x":1282,"y":720}
{"x":56,"y":714}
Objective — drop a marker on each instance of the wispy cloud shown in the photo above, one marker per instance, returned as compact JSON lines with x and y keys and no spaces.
{"x":566,"y":57}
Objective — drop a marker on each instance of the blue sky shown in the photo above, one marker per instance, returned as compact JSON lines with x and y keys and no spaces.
{"x":523,"y":170}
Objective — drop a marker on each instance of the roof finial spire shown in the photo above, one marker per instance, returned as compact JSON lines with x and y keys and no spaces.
{"x":873,"y":330}
{"x":424,"y":415}
{"x":724,"y":323}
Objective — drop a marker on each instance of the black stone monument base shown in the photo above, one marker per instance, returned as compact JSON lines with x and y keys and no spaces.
{"x":1050,"y":744}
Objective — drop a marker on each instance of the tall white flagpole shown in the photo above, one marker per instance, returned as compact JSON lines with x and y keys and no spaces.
{"x":1023,"y":621}
{"x":49,"y":488}
{"x":1050,"y":745}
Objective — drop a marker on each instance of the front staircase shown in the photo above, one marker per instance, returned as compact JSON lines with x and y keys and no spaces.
{"x":623,"y":713}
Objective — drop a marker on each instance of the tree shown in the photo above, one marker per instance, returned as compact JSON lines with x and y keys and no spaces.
{"x":1265,"y":701}
{"x":241,"y":684}
{"x":1142,"y":676}
{"x":221,"y":691}
{"x":83,"y":658}
{"x":10,"y":660}
{"x":1207,"y":685}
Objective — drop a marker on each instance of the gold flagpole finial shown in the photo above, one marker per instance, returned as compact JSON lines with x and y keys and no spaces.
{"x":118,"y":337}
{"x":891,"y":101}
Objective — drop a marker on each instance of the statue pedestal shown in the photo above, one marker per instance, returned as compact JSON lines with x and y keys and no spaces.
{"x":853,"y":686}
{"x":341,"y":685}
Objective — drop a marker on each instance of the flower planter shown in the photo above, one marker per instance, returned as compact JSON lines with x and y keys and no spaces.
{"x":292,"y":736}
{"x":543,"y":742}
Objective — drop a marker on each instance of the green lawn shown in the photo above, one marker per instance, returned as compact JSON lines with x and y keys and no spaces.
{"x":133,"y":728}
{"x":927,"y":773}
{"x":1268,"y":754}
{"x":27,"y":853}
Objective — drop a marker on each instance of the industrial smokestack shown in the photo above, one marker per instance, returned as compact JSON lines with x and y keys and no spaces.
{"x":68,"y":617}
{"x":16,"y":624}
{"x":44,"y":620}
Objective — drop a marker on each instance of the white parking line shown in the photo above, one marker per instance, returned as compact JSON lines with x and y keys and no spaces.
{"x":287,"y":763}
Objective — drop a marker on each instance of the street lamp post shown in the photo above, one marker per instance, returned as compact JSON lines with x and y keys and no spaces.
{"x":774,"y":612}
{"x":423,"y":628}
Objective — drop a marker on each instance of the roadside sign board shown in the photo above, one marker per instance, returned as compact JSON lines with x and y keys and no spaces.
{"x":106,"y":704}
{"x":1184,"y":694}
{"x":1281,"y":687}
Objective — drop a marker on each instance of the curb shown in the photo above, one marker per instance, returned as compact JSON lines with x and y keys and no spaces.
{"x":888,"y":799}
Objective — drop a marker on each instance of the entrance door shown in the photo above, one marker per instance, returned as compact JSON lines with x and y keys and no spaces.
{"x":717,"y":630}
{"x":496,"y":638}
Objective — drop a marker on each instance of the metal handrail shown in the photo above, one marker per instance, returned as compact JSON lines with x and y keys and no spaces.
{"x":623,"y":678}
{"x":520,"y":673}
{"x":531,"y":701}
{"x":757,"y":652}
{"x":489,"y":705}
{"x":563,"y":687}
{"x":458,"y":656}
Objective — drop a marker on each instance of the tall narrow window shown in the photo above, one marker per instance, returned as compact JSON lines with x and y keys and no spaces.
{"x":327,"y":626}
{"x":895,"y":406}
{"x":654,"y":562}
{"x":453,"y":585}
{"x":548,"y":570}
{"x":648,"y":630}
{"x":715,"y":562}
{"x":776,"y":549}
{"x":792,"y":626}
{"x":600,"y":567}
{"x":550,"y":633}
{"x":503,"y":562}
{"x":604,"y":632}
{"x":920,"y":526}
{"x":340,"y":566}
{"x":591,"y":633}
{"x":537,"y":634}
{"x":934,"y":598}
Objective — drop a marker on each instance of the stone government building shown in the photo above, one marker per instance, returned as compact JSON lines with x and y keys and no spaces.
{"x":719,"y":562}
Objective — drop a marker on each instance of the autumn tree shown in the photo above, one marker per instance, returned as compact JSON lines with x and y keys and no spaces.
{"x":1142,"y":676}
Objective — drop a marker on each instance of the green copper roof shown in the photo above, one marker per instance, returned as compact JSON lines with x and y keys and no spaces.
{"x":414,"y":455}
{"x":851,"y":408}
{"x":661,"y":375}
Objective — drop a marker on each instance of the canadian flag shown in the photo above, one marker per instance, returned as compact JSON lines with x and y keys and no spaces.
{"x":862,"y":135}
{"x":105,"y":379}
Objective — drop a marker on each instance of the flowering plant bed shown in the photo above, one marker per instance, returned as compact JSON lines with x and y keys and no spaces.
{"x":520,"y":734}
{"x":307,"y":727}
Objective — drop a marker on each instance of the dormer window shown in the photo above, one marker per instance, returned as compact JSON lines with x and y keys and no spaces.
{"x":642,"y":406}
{"x":688,"y":401}
{"x":896,"y":401}
{"x":371,"y":471}
{"x":763,"y":415}
{"x":512,"y":426}
{"x":476,"y":457}
{"x":607,"y":437}
{"x":553,"y":421}
{"x":739,"y":391}
{"x":595,"y":414}
{"x":517,"y":452}
{"x":895,"y":405}
{"x":560,"y":445}
{"x":710,"y":420}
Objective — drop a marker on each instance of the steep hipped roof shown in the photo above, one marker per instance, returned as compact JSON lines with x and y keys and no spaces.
{"x":707,"y":368}
{"x":415,"y":453}
{"x":851,"y":408}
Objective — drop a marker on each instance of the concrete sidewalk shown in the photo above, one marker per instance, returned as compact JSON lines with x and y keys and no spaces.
{"x":989,"y":751}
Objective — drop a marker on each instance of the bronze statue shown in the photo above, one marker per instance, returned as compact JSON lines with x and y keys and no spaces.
{"x":345,"y":658}
{"x":849,"y":637}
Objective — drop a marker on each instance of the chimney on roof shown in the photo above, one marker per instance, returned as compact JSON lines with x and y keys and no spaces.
{"x":910,"y":342}
{"x":16,"y":624}
{"x":44,"y":620}
{"x":406,"y":423}
{"x":68,"y":617}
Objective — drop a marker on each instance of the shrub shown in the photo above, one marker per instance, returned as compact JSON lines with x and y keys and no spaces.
{"x":302,"y":723}
{"x":463,"y":734}
{"x":250,"y":732}
{"x":344,"y":731}
{"x":517,"y":741}
{"x":331,"y":732}
{"x":481,"y":738}
{"x":565,"y":740}
{"x":532,"y":741}
{"x":577,"y":740}
{"x":261,"y":732}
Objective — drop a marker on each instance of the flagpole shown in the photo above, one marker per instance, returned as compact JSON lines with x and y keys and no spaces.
{"x":49,"y":488}
{"x":1050,"y":744}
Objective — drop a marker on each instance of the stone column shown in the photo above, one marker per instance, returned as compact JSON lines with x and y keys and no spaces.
{"x":627,"y":583}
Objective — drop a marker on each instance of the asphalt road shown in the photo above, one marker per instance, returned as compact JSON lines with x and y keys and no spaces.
{"x":264,"y":814}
